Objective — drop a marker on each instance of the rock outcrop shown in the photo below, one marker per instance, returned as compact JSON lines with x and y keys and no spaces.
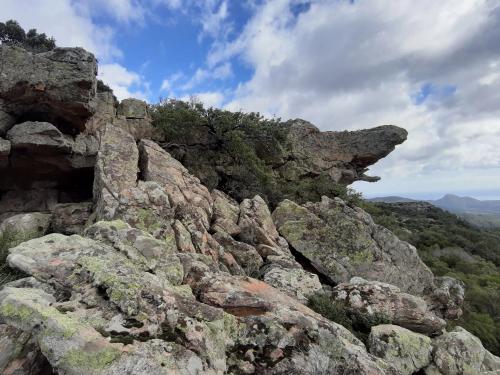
{"x":296,"y":154}
{"x":344,"y":156}
{"x":135,"y":266}
{"x":56,"y":86}
{"x":342,"y":242}
{"x":373,"y":298}
{"x":408,"y":351}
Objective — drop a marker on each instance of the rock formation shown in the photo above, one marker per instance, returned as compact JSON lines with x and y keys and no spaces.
{"x":133,"y":266}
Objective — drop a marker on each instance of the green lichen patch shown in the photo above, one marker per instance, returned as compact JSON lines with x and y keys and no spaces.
{"x":91,"y":360}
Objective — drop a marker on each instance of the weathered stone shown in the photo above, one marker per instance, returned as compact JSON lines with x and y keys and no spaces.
{"x":460,"y":352}
{"x":70,"y":218}
{"x":183,"y":188}
{"x":6,"y":121}
{"x":265,"y":321}
{"x":115,"y":170}
{"x":22,"y":227}
{"x":39,"y":137}
{"x":448,"y":297}
{"x":256,"y":224}
{"x":342,"y":242}
{"x":343,"y":155}
{"x":375,"y":300}
{"x":158,"y":256}
{"x":105,"y":112}
{"x":225,"y":213}
{"x":407,"y":351}
{"x":4,"y":152}
{"x":296,"y":282}
{"x":19,"y":353}
{"x":133,"y":109}
{"x":58,"y":85}
{"x":246,"y":255}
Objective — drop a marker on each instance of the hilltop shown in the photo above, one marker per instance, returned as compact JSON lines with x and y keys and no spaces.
{"x":166,"y":239}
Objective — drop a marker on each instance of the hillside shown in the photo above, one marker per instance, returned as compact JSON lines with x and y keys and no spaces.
{"x":175,"y":239}
{"x":483,"y":214}
{"x":452,"y":247}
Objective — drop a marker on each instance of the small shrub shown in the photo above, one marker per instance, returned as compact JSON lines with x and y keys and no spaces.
{"x":336,"y":311}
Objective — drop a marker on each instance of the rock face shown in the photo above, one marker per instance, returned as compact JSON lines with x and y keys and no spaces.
{"x":408,"y":351}
{"x":57,"y":86}
{"x":370,"y":298}
{"x":136,"y":267}
{"x":460,"y":352}
{"x":345,"y":155}
{"x":301,"y":155}
{"x":342,"y":242}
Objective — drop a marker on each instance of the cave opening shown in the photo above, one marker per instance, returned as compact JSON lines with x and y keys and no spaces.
{"x":39,"y":182}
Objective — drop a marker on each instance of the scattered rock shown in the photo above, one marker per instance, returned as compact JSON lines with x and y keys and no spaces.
{"x":407,"y":351}
{"x":373,"y":300}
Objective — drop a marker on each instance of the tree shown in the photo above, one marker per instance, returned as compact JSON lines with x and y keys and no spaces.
{"x":12,"y":34}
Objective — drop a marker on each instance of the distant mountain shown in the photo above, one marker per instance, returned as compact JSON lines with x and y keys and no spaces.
{"x":484,"y":214}
{"x":454,"y":203}
{"x":391,"y":199}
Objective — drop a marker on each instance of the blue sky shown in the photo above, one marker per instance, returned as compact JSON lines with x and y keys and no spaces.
{"x":430,"y":66}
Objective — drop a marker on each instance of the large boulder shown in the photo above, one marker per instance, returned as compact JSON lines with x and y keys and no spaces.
{"x":25,"y":226}
{"x":408,"y":351}
{"x":374,"y":300}
{"x":342,"y":242}
{"x":460,"y":352}
{"x":57,"y":86}
{"x":269,"y":328}
{"x":39,"y":138}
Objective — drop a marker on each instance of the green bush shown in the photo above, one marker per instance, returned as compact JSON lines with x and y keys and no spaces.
{"x":11,"y":33}
{"x":236,"y":152}
{"x":336,"y":311}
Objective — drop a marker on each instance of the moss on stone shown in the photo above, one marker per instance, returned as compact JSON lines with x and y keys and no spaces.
{"x":79,"y":359}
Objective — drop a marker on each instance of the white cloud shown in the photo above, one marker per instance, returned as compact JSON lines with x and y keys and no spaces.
{"x":209,"y":99}
{"x":346,"y":65}
{"x":121,"y":10}
{"x":213,"y":19}
{"x":125,"y":84}
{"x":62,"y":20}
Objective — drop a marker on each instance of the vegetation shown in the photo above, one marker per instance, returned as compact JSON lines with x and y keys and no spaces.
{"x":452,"y":247}
{"x":338,"y":312}
{"x":11,"y":33}
{"x":8,"y":240}
{"x":235,"y":152}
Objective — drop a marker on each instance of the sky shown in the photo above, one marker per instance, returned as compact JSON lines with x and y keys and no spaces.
{"x":432,"y":67}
